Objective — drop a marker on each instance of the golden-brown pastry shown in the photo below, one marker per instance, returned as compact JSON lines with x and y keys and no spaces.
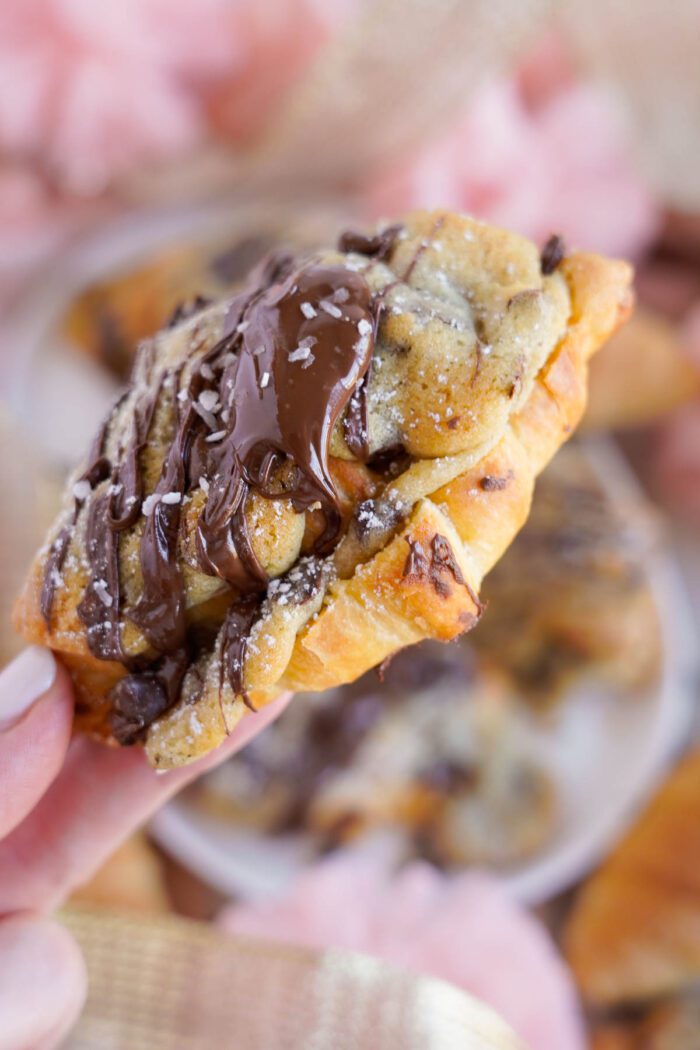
{"x":109,"y":319}
{"x":305,"y":479}
{"x":674,"y":1025}
{"x":429,"y":752}
{"x":634,"y":932}
{"x":642,"y":376}
{"x":572,"y":595}
{"x":130,"y":879}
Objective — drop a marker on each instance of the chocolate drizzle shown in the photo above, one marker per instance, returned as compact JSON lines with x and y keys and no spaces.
{"x":52,"y":570}
{"x":256,"y":415}
{"x":110,"y":513}
{"x":97,"y":469}
{"x":234,"y":642}
{"x":304,"y":344}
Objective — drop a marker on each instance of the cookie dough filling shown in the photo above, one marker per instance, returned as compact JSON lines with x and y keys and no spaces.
{"x":307,"y":477}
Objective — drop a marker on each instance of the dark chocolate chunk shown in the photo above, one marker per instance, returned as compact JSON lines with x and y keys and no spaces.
{"x":552,"y":254}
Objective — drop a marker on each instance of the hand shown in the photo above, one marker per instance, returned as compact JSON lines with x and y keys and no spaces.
{"x":64,"y":807}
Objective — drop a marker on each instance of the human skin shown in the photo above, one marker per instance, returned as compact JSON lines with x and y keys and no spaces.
{"x":65,"y":804}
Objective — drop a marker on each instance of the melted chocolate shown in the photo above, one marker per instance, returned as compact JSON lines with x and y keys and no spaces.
{"x":552,"y":254}
{"x":298,"y":341}
{"x":235,"y":633}
{"x":304,"y":345}
{"x":376,"y":246}
{"x":124,"y":499}
{"x":138,"y":699}
{"x":160,"y":611}
{"x":434,"y":566}
{"x":417,"y":564}
{"x":443,"y":561}
{"x":114,"y":510}
{"x":97,"y":469}
{"x":494,"y":483}
{"x":52,"y":570}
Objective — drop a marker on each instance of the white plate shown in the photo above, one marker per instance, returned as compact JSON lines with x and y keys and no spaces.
{"x":605,"y":751}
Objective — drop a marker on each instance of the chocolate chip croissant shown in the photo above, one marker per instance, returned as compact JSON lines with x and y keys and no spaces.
{"x":306,"y":478}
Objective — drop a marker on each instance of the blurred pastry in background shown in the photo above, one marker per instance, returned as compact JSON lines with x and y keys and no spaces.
{"x":109,"y":318}
{"x":131,"y":879}
{"x":642,"y":375}
{"x":572,"y":595}
{"x":673,"y":1025}
{"x":429,"y":752}
{"x":633,"y":936}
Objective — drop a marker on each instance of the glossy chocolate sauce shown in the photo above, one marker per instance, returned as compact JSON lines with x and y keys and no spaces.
{"x":374,"y":246}
{"x":297,"y":343}
{"x":97,"y":469}
{"x":109,"y":514}
{"x":138,"y":699}
{"x":305,"y":344}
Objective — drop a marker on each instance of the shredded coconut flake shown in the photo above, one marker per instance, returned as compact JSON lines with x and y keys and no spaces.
{"x":209,"y":400}
{"x":330,"y":308}
{"x":300,"y":354}
{"x":171,"y":497}
{"x":216,"y":436}
{"x":102,"y":592}
{"x":208,"y":417}
{"x":264,"y":380}
{"x":203,"y":484}
{"x":150,"y":503}
{"x":308,"y":311}
{"x":206,"y":370}
{"x":81,"y":490}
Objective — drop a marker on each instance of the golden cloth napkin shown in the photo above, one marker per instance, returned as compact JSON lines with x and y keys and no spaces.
{"x":166,"y":983}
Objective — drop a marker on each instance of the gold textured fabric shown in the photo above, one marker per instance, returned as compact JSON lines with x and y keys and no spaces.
{"x":168,"y":983}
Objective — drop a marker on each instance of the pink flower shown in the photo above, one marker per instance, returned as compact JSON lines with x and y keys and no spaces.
{"x":465,"y":930}
{"x":561,"y":166}
{"x":88,"y":89}
{"x":91,"y":90}
{"x":281,"y":40}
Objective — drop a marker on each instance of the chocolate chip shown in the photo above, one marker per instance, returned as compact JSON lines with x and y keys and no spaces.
{"x":552,"y":254}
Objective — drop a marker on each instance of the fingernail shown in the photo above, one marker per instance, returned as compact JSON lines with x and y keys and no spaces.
{"x":23,"y":681}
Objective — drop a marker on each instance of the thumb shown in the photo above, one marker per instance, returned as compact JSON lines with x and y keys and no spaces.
{"x":42,"y":983}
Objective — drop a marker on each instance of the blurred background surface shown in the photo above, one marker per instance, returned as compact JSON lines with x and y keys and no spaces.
{"x":496,"y":790}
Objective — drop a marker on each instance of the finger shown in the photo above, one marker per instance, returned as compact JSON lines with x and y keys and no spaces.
{"x":42,"y":983}
{"x":98,"y":799}
{"x":36,"y":709}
